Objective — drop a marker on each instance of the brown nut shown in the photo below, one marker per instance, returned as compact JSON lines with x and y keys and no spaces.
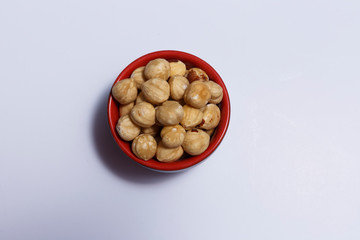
{"x":178,"y":85}
{"x":157,"y":68}
{"x":196,"y":142}
{"x":164,"y":154}
{"x":195,"y":74}
{"x":156,"y":90}
{"x":125,"y":91}
{"x":192,"y":117}
{"x":143,"y":114}
{"x":177,"y":68}
{"x":169,"y":113}
{"x":144,"y":146}
{"x":197,"y":94}
{"x":172,"y":136}
{"x":211,"y":117}
{"x":138,"y":76}
{"x":216,"y":92}
{"x":126,"y":129}
{"x":153,"y":130}
{"x":125,"y":109}
{"x":140,"y":98}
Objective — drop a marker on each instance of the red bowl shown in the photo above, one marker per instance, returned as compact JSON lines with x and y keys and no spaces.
{"x":190,"y":61}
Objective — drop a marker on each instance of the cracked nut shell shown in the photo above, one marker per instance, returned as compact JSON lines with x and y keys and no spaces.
{"x":144,"y":146}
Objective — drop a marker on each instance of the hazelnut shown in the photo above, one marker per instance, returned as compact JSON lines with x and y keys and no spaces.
{"x":126,"y":129}
{"x":143,"y":114}
{"x":125,"y":91}
{"x":144,"y":146}
{"x":216,"y":92}
{"x":153,"y":130}
{"x":196,"y":142}
{"x":211,"y":117}
{"x":178,"y":85}
{"x":192,"y":117}
{"x":125,"y":109}
{"x":197,"y":94}
{"x":169,"y":113}
{"x":164,"y":154}
{"x":172,"y":136}
{"x":157,"y":68}
{"x":177,"y":68}
{"x":140,"y":98}
{"x":195,"y":74}
{"x":156,"y":90}
{"x":138,"y":76}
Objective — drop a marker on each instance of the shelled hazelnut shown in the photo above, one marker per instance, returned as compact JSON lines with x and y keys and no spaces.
{"x":127,"y":129}
{"x":196,"y":142}
{"x":125,"y":109}
{"x":177,"y":68}
{"x":164,"y":154}
{"x":157,"y":68}
{"x":178,"y":85}
{"x":138,"y":76}
{"x":192,"y":117}
{"x":156,"y":90}
{"x":211,"y":117}
{"x":197,"y":94}
{"x":143,"y":114}
{"x":172,"y":136}
{"x":169,"y":113}
{"x":195,"y":74}
{"x":144,"y":146}
{"x":125,"y":91}
{"x":216,"y":92}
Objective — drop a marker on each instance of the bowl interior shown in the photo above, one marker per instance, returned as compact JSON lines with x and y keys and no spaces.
{"x":190,"y":61}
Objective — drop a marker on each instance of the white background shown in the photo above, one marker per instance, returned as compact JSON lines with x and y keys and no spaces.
{"x":288,"y":168}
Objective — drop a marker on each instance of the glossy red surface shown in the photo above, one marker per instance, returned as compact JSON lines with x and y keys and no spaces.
{"x":190,"y":61}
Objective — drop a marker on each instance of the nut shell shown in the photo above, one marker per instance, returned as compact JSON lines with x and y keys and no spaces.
{"x":211,"y":117}
{"x":143,"y":114}
{"x":164,"y":154}
{"x":172,"y":136}
{"x":144,"y":146}
{"x":127,"y":129}
{"x":124,"y":91}
{"x":169,"y":113}
{"x":196,"y":74}
{"x":192,"y":117}
{"x":196,"y":142}
{"x":177,"y":68}
{"x":156,"y":90}
{"x":197,"y":94}
{"x":178,"y":85}
{"x":138,"y":76}
{"x":157,"y":68}
{"x":125,"y":109}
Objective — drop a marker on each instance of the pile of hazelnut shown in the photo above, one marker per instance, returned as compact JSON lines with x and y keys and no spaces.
{"x":166,"y":109}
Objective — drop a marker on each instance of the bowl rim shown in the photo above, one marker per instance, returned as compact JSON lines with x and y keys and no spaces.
{"x":192,"y":160}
